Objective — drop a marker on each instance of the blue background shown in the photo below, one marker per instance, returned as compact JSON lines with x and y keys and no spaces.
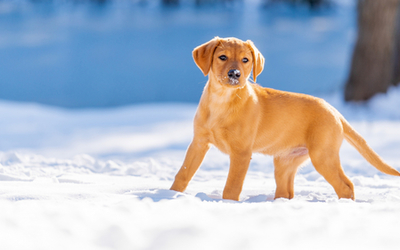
{"x":80,"y":55}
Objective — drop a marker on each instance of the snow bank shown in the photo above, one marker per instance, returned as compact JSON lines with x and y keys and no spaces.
{"x":99,"y":179}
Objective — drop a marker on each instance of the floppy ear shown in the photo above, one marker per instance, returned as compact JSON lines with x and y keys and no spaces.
{"x":258,"y":60}
{"x":203,"y":55}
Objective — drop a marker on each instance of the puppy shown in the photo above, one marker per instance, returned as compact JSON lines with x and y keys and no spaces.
{"x":241,"y":118}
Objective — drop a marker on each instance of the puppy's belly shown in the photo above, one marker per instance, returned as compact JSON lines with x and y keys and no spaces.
{"x":300,"y":151}
{"x":291,"y":152}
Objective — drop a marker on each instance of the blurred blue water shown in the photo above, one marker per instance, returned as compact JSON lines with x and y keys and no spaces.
{"x":77,"y":55}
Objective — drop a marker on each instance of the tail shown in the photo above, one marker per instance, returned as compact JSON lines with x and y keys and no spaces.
{"x":362,"y":147}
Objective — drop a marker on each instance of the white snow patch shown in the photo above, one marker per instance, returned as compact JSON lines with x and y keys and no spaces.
{"x":72,"y":180}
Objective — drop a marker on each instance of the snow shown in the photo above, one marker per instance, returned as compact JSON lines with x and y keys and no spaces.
{"x":100,"y":178}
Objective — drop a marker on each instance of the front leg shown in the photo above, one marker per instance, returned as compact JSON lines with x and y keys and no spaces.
{"x":237,"y":171}
{"x":194,"y":156}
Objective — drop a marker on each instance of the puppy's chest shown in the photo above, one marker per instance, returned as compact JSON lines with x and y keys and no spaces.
{"x":223,"y":130}
{"x":220,"y":138}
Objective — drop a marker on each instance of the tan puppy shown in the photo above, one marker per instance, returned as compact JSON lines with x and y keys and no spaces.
{"x":241,"y":118}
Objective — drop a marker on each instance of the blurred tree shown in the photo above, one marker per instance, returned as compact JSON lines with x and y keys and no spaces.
{"x":198,"y":2}
{"x":313,"y":4}
{"x":170,"y":2}
{"x":375,"y":62}
{"x":397,"y":51}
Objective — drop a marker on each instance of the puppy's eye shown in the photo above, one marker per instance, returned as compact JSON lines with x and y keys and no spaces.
{"x":245,"y":60}
{"x":223,"y":57}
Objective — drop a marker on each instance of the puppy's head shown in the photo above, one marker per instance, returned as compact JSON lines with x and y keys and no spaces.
{"x":229,"y":60}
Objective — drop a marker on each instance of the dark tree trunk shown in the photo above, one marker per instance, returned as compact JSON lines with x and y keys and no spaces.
{"x":396,"y":76}
{"x":375,"y":53}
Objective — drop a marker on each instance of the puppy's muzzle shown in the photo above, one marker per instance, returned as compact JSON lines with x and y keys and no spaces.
{"x":234,"y":74}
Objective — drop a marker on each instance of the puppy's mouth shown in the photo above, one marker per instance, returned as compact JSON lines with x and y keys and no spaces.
{"x":234,"y":82}
{"x":227,"y":81}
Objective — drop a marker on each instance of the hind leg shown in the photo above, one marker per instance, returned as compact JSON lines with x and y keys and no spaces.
{"x":285,"y":171}
{"x":327,"y":163}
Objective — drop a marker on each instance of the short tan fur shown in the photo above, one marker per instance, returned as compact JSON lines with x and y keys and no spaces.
{"x":241,"y":118}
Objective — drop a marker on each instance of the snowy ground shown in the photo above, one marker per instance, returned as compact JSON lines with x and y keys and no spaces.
{"x":99,"y":179}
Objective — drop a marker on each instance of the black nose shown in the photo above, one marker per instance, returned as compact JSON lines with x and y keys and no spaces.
{"x":234,"y":73}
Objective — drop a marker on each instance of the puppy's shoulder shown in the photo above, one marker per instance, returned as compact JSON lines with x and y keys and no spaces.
{"x":273,"y":94}
{"x":269,"y":95}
